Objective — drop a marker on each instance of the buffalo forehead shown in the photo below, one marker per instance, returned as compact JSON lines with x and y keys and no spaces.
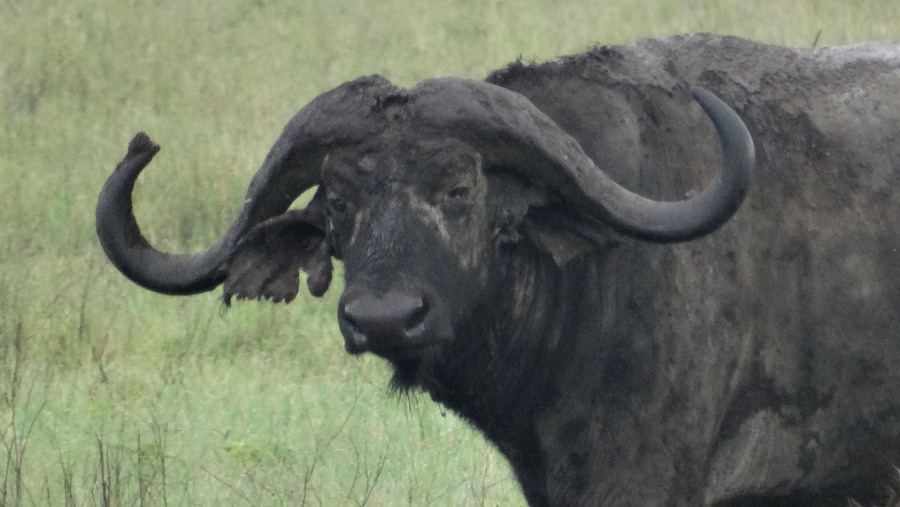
{"x":403,"y":158}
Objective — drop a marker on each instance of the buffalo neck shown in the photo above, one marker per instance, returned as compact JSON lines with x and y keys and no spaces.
{"x":538,"y":346}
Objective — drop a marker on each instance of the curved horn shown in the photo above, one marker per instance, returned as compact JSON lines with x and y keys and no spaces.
{"x":346,"y":114}
{"x":511,"y":131}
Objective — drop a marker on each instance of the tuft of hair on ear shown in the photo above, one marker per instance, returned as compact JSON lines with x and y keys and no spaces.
{"x":506,"y":229}
{"x":266,"y":262}
{"x":510,"y":199}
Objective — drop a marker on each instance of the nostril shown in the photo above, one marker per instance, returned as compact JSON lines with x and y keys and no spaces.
{"x":350,"y":320}
{"x":417,"y":317}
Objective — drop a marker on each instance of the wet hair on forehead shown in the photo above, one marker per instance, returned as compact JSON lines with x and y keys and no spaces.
{"x":447,"y":151}
{"x":400,"y":151}
{"x":395,"y":143}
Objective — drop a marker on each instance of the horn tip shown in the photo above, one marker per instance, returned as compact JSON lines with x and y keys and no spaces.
{"x":140,"y":144}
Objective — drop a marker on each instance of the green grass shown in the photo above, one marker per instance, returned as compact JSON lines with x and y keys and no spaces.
{"x":110,"y":395}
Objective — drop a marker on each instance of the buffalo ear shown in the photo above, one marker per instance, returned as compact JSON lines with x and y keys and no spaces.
{"x":563,"y":237}
{"x":522,"y":212}
{"x":510,"y":198}
{"x":266,"y":262}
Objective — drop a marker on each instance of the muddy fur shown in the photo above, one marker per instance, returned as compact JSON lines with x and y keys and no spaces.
{"x":756,"y":366}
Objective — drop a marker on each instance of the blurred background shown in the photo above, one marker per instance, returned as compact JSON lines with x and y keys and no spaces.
{"x":112,"y":395}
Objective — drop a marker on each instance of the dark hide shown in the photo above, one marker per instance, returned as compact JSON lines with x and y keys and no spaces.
{"x":758,"y":365}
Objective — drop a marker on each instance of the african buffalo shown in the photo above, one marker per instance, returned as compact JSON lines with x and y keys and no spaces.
{"x":528,"y":250}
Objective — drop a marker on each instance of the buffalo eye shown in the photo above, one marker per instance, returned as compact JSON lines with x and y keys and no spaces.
{"x":460,"y":192}
{"x":337,"y":205}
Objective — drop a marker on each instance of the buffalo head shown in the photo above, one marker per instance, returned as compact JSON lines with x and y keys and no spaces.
{"x":418,"y":190}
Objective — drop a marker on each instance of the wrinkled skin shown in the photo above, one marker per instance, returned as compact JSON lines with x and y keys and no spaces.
{"x":394,"y":201}
{"x":757,"y":365}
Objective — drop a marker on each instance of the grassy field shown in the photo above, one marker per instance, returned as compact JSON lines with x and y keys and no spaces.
{"x":111,"y":395}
